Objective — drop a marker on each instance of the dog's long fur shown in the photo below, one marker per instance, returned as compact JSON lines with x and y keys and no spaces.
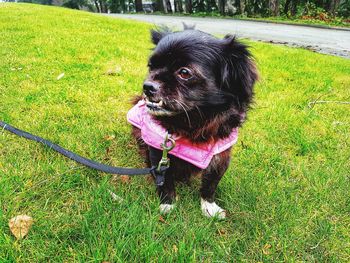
{"x":204,"y":107}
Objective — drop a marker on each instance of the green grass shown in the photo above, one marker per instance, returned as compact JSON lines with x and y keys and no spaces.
{"x":286,"y":191}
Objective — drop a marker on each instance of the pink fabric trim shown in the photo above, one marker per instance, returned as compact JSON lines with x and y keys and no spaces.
{"x":153,"y":134}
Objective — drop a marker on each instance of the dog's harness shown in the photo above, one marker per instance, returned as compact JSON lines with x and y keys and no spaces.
{"x":198,"y":154}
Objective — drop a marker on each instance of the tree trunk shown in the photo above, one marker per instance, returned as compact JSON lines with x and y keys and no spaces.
{"x":293,"y":10}
{"x":222,"y":5}
{"x":210,"y":5}
{"x":189,"y":6}
{"x":159,"y":6}
{"x":168,"y":6}
{"x":333,"y":6}
{"x":231,"y":9}
{"x":97,"y":6}
{"x":237,"y":5}
{"x":138,"y":6}
{"x":172,"y":6}
{"x":242,"y":6}
{"x":165,"y":6}
{"x":103,"y":7}
{"x":274,"y":7}
{"x":178,"y":6}
{"x":286,"y":7}
{"x":200,"y":5}
{"x":123,"y":6}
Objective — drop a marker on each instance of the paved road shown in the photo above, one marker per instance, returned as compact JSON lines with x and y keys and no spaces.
{"x":328,"y":41}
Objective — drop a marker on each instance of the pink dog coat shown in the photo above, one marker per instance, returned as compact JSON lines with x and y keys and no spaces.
{"x":199,"y":154}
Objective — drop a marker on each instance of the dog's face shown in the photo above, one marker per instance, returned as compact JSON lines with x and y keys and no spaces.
{"x":194,"y":71}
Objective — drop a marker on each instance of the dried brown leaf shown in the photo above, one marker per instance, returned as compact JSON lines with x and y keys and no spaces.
{"x":149,"y":179}
{"x":266,"y":249}
{"x":125,"y":179}
{"x":222,"y":232}
{"x":109,"y":137}
{"x":161,"y":219}
{"x":175,"y":248}
{"x":20,"y":225}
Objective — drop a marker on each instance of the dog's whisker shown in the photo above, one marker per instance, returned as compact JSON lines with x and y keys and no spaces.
{"x":184,"y":108}
{"x":200,"y":112}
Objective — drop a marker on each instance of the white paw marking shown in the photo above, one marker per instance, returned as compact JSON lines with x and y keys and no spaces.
{"x":212,"y":209}
{"x":166,"y":208}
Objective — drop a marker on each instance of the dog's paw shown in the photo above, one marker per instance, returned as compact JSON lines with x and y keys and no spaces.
{"x":212,"y":209}
{"x":166,"y":208}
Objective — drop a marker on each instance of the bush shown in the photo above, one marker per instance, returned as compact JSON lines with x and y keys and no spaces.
{"x":344,"y":9}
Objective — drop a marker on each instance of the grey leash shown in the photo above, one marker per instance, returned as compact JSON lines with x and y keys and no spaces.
{"x":157,"y":171}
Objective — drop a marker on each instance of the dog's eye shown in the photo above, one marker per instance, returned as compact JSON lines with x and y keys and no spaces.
{"x":185,"y":73}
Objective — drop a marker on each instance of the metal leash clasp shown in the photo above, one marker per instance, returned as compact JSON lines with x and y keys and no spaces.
{"x":165,"y":162}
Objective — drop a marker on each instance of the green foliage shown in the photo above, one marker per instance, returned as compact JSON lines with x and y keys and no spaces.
{"x":317,"y":10}
{"x":117,"y":6}
{"x":286,"y":191}
{"x":42,"y":2}
{"x":331,"y":22}
{"x":311,"y":9}
{"x":74,"y":4}
{"x":344,"y":9}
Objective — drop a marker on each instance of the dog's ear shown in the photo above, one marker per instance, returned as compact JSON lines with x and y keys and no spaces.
{"x":188,"y":27}
{"x":158,"y":33}
{"x":238,"y":71}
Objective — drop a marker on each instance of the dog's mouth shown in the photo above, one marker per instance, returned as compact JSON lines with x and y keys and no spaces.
{"x":157,"y":108}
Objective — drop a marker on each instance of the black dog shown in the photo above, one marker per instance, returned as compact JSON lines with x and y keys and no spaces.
{"x":199,"y":88}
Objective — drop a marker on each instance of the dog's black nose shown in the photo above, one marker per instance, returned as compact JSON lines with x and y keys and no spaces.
{"x":150,"y":88}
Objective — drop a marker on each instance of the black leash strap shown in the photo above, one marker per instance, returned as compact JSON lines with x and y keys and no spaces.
{"x":75,"y":157}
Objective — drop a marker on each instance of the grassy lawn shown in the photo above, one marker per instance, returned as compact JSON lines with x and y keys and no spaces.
{"x":287,"y":189}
